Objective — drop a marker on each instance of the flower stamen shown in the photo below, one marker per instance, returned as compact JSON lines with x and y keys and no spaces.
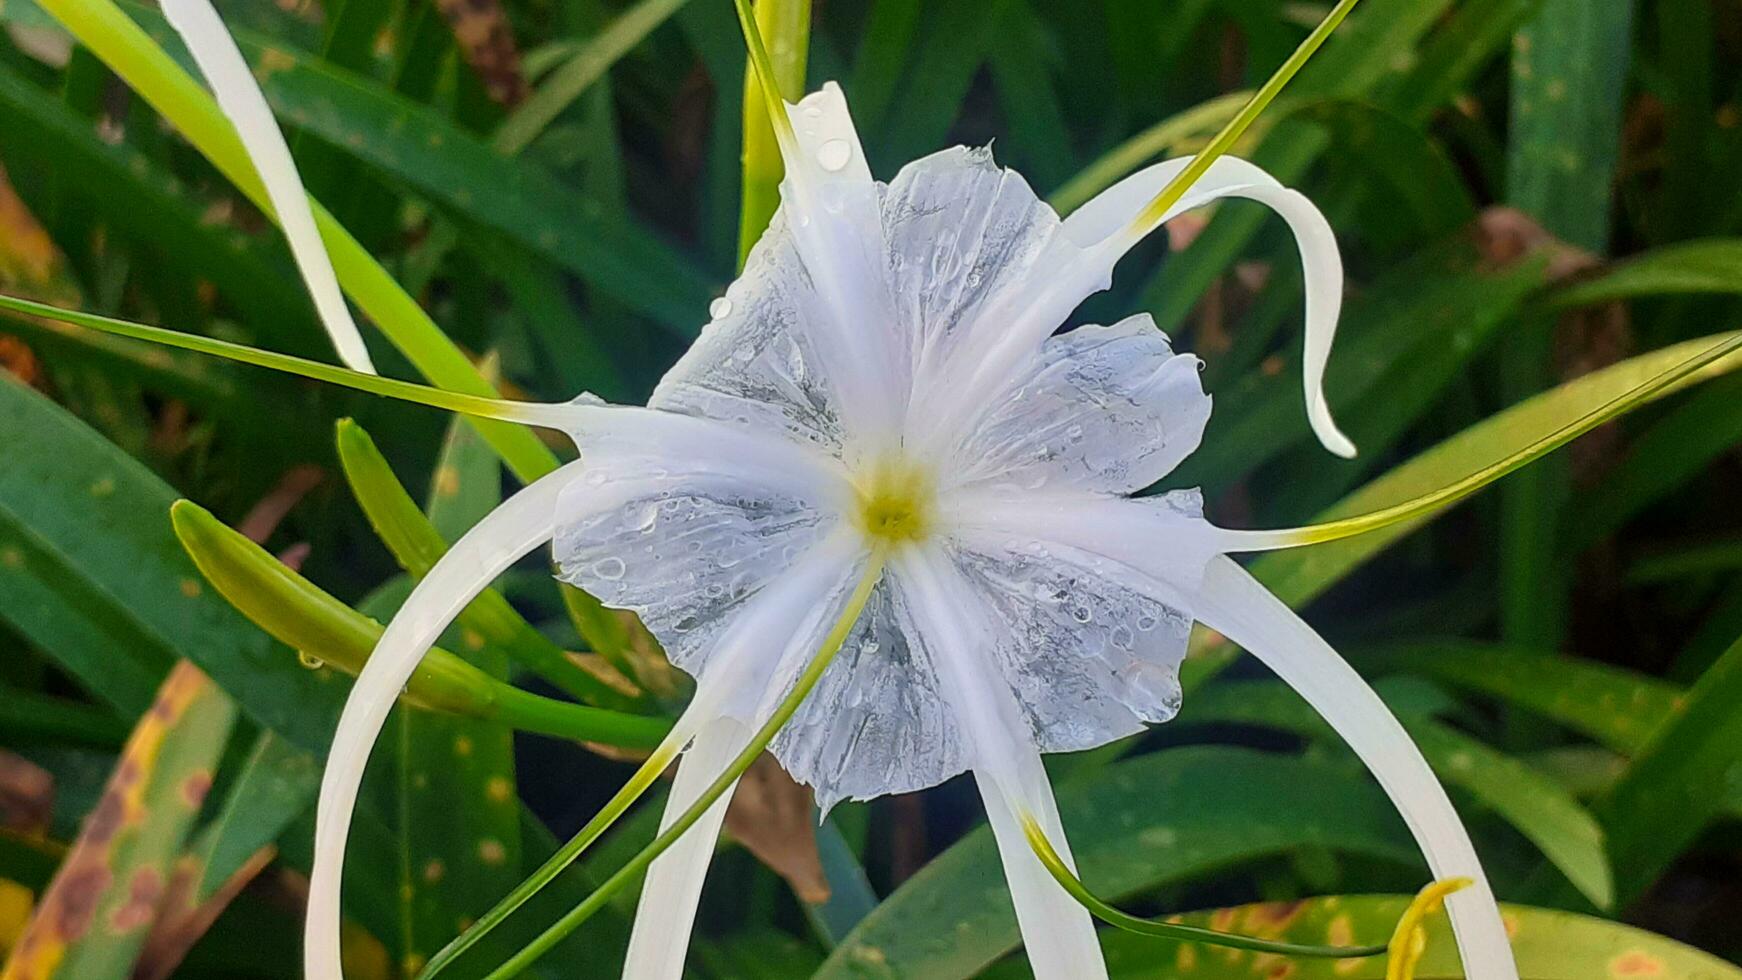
{"x":896,"y":502}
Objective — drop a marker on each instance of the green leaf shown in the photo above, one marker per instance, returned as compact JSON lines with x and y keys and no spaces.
{"x":276,"y":785}
{"x":1538,"y":807}
{"x":130,"y":53}
{"x":516,"y":198}
{"x":94,"y":576}
{"x":1133,"y":826}
{"x":1682,"y":778}
{"x":1569,"y":66}
{"x":1617,"y":707}
{"x":1549,"y":945}
{"x":94,"y":917}
{"x":147,"y":205}
{"x":1713,"y":265}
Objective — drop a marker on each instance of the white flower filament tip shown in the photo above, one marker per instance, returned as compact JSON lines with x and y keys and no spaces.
{"x":242,"y":101}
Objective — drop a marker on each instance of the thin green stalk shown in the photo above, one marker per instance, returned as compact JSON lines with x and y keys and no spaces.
{"x":813,"y":673}
{"x":1708,"y":358}
{"x":477,"y":406}
{"x":1169,"y":930}
{"x":1158,"y":139}
{"x":130,"y":53}
{"x":1236,"y":127}
{"x":784,"y":29}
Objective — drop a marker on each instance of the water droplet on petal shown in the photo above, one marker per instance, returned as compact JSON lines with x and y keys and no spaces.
{"x":720,"y":308}
{"x":834,"y":154}
{"x":609,"y":569}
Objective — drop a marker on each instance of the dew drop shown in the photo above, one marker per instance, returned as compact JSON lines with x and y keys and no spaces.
{"x":309,"y":660}
{"x":834,"y":154}
{"x":609,"y":569}
{"x":720,"y":308}
{"x":1081,"y":614}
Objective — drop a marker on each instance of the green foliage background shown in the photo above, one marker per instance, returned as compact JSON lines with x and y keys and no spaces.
{"x":1527,"y":193}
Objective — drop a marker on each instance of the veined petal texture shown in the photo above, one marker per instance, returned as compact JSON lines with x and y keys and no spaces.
{"x":1110,"y":409}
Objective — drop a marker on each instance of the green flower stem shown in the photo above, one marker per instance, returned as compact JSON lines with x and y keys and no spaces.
{"x":785,"y":27}
{"x":478,"y":406}
{"x":1236,"y":127}
{"x":1043,"y":850}
{"x":813,"y":673}
{"x":130,"y":53}
{"x":298,"y":614}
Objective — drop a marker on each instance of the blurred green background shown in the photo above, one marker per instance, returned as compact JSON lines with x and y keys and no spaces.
{"x":1526,"y":192}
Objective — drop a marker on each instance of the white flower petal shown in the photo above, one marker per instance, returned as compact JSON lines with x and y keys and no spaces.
{"x":1057,"y":931}
{"x":521,"y":524}
{"x":1234,"y":603}
{"x":1113,"y":209}
{"x":962,"y":234}
{"x":1110,"y":409}
{"x":233,"y":84}
{"x":802,"y":343}
{"x":666,"y":912}
{"x":875,"y":724}
{"x":1164,"y":540}
{"x":756,"y":657}
{"x":1083,"y":643}
{"x":833,"y":217}
{"x":683,"y":519}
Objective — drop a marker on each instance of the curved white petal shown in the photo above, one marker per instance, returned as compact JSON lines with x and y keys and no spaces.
{"x":1109,"y":409}
{"x":1079,"y":261}
{"x":1234,"y":603}
{"x":666,"y":911}
{"x":833,"y":220}
{"x":233,"y":84}
{"x":1104,"y":217}
{"x":684,"y":519}
{"x":521,"y":524}
{"x":1057,"y":932}
{"x":766,"y":644}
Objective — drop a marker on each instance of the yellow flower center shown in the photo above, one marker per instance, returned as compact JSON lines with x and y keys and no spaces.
{"x":896,"y":501}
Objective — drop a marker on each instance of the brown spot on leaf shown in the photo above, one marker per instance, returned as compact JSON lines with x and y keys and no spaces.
{"x":1635,"y":963}
{"x":195,"y":787}
{"x":72,"y":901}
{"x":26,"y":794}
{"x":104,"y":820}
{"x":143,"y":891}
{"x":486,"y":43}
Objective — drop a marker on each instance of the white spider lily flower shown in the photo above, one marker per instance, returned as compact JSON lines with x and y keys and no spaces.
{"x":882,"y":391}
